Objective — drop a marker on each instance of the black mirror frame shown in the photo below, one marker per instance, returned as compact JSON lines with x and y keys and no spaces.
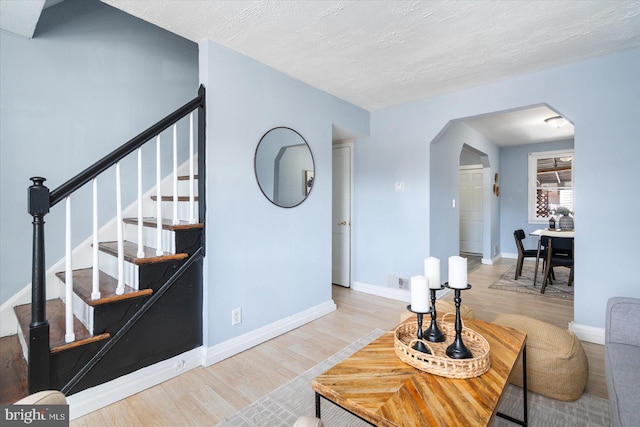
{"x":313,"y":161}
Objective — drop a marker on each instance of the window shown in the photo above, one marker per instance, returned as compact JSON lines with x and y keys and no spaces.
{"x":550,"y":183}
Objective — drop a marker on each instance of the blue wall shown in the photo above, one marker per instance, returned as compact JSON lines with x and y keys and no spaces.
{"x":600,"y":96}
{"x":91,"y":78}
{"x":444,"y":188}
{"x":514,"y":189}
{"x":270,"y":261}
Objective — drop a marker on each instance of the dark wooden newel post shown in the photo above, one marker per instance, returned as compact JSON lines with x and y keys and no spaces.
{"x":39,"y":203}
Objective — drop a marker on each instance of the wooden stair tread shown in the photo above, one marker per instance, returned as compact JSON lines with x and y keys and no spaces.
{"x":186,"y":177}
{"x":131,"y":253}
{"x":55,"y":313}
{"x":13,"y":371}
{"x":167,"y":224}
{"x":83,"y":286}
{"x":170,"y":198}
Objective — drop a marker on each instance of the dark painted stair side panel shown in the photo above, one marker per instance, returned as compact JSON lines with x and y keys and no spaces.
{"x":154,"y":275}
{"x":171,"y":327}
{"x":188,"y":241}
{"x":110,"y":318}
{"x":65,"y":364}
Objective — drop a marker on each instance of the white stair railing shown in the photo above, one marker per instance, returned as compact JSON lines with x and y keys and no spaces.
{"x":175,"y":175}
{"x":69,"y":335}
{"x":95,"y":273}
{"x":140,"y":253}
{"x":119,"y":225}
{"x":158,"y":200}
{"x":192,"y":204}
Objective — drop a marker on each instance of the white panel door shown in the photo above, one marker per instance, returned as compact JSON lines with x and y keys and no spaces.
{"x":471,"y":210}
{"x":341,"y":229}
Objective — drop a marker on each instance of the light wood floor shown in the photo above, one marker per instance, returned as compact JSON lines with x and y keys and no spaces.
{"x":204,"y":396}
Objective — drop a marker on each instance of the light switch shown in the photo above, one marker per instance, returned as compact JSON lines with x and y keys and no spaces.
{"x":453,"y":203}
{"x":399,"y":186}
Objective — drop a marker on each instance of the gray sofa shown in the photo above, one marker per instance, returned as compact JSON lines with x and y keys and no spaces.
{"x":622,"y":360}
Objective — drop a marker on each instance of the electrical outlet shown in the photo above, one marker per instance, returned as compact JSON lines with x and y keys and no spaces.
{"x":398,"y":282}
{"x":236,"y":316}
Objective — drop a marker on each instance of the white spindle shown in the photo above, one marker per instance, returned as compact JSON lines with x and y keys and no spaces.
{"x":159,"y":200}
{"x":120,"y":287}
{"x":95,"y":284}
{"x":68,"y":278}
{"x":175,"y":174}
{"x":140,"y":253}
{"x":192,"y":198}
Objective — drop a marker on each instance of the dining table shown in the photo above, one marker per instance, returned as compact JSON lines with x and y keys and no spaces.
{"x":549,"y":232}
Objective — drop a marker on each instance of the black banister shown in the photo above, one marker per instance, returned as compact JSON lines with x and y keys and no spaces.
{"x":38,"y":206}
{"x":133,"y":144}
{"x":202,"y":169}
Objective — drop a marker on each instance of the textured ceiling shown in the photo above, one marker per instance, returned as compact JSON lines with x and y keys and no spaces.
{"x":377,"y":54}
{"x":520,"y":127}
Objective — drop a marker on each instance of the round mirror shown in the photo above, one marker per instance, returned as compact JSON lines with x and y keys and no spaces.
{"x":284,"y":167}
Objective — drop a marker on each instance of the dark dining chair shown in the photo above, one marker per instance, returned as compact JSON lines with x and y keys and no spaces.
{"x":523,"y":253}
{"x":543,"y":243}
{"x":559,"y":254}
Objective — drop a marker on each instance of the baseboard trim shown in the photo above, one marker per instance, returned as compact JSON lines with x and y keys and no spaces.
{"x":391,"y":293}
{"x":587,"y":333}
{"x":244,"y":342}
{"x":102,"y":395}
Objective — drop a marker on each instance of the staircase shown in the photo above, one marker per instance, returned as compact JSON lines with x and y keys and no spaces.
{"x":139,"y":299}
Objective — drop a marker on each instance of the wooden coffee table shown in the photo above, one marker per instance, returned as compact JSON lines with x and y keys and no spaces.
{"x":375,"y":385}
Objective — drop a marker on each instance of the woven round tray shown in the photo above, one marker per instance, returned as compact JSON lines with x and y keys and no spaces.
{"x":438,"y":363}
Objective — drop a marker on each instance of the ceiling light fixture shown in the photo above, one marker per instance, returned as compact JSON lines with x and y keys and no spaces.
{"x":556,"y":122}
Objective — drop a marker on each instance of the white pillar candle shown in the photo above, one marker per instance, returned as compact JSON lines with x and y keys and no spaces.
{"x":457,"y":272}
{"x":419,"y":294}
{"x":432,"y":272}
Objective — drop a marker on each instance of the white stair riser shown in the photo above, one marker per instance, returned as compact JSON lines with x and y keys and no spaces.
{"x":149,"y":237}
{"x":183,"y":211}
{"x":82,"y":310}
{"x":109,"y":264}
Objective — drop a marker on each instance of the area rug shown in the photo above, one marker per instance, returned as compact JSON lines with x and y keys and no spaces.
{"x":559,"y":289}
{"x":283,"y":406}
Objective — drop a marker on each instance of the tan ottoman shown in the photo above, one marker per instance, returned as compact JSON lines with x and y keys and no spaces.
{"x":442,"y":307}
{"x":556,"y":362}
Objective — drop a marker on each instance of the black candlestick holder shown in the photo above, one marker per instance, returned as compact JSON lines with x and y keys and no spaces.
{"x":419,"y":345}
{"x":433,"y":333}
{"x":457,"y":349}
